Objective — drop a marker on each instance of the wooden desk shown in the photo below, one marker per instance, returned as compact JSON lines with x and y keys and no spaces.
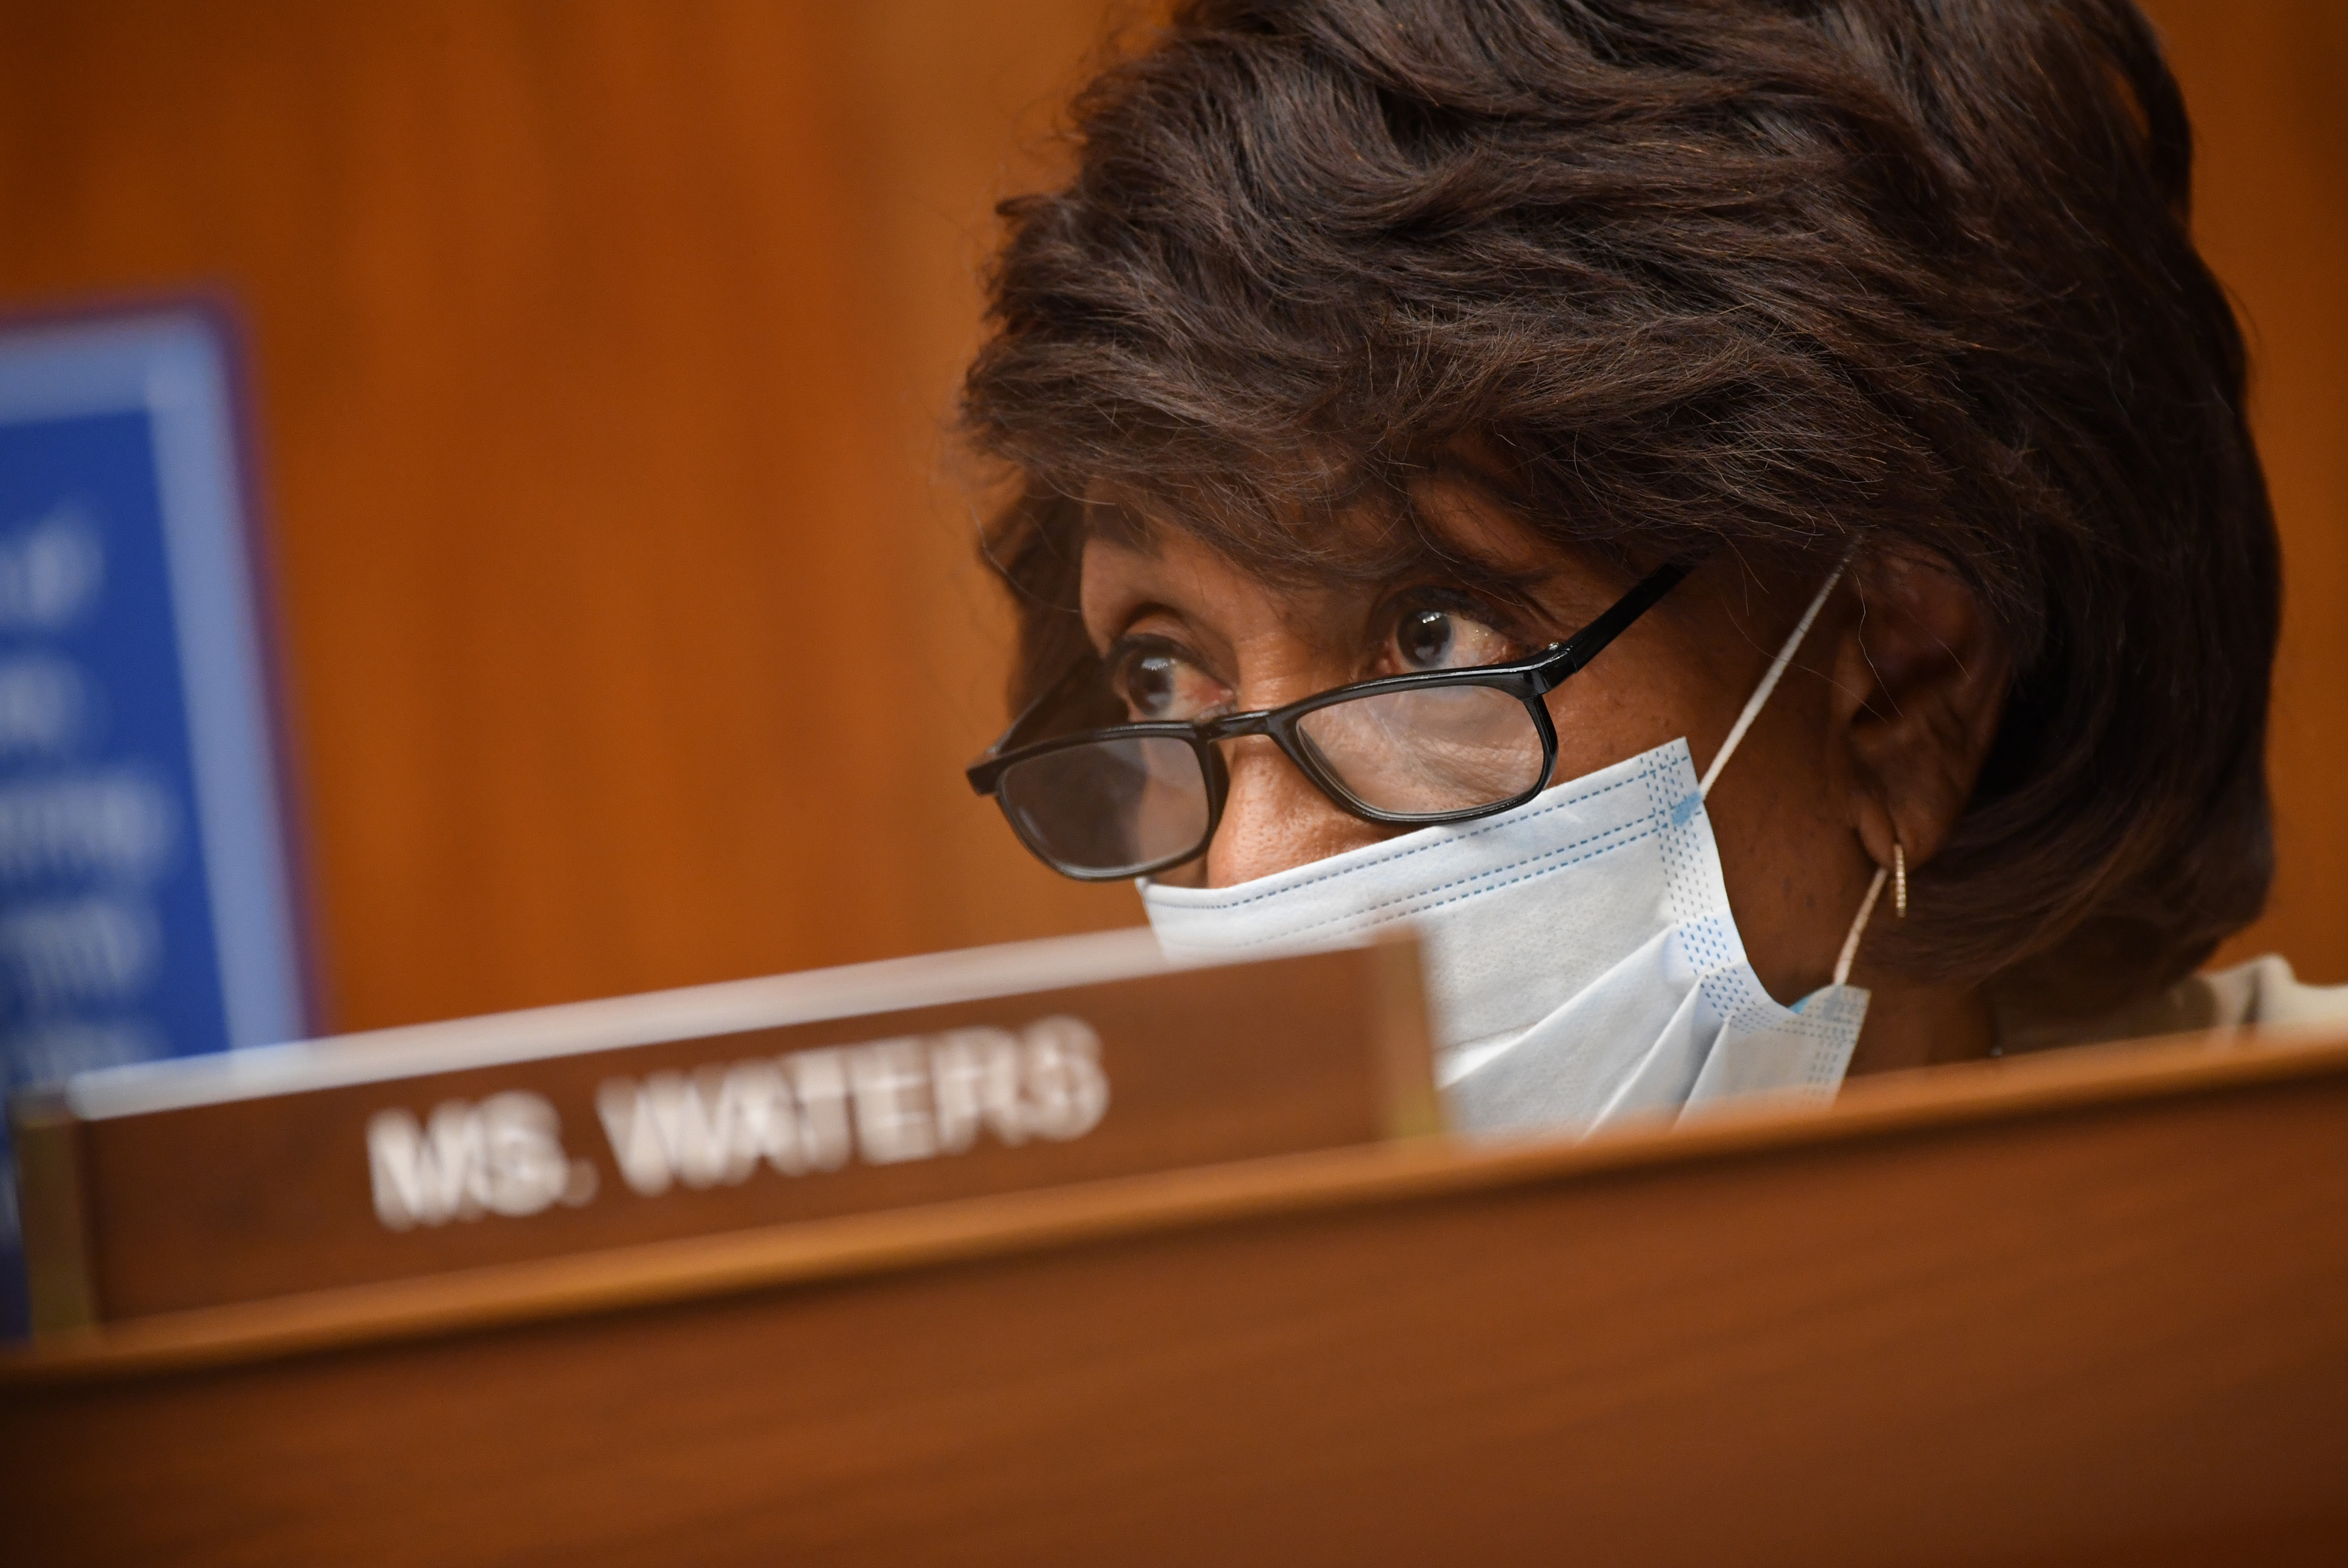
{"x":2088,"y":1309}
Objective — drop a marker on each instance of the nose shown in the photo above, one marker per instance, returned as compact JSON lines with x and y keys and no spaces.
{"x":1275,"y":818}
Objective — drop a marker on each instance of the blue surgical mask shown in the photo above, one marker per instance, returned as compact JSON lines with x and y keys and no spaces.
{"x":1583,"y":967}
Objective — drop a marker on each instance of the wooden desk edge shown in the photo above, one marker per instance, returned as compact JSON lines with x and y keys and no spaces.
{"x":2080,"y":1080}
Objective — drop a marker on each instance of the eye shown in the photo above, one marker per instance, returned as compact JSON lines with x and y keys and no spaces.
{"x":1158,"y":683}
{"x":1437,"y":638}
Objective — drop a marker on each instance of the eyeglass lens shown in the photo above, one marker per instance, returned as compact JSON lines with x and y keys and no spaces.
{"x":1430,"y":751}
{"x":1110,"y":807}
{"x":1114,"y":806}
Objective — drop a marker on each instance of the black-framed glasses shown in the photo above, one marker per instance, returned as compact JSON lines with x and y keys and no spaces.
{"x":1115,"y":801}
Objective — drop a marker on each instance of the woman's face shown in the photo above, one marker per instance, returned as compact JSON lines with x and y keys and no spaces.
{"x":1188,"y":634}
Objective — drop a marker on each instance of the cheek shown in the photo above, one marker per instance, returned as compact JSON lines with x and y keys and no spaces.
{"x":1601,"y":723}
{"x":1780,"y":816}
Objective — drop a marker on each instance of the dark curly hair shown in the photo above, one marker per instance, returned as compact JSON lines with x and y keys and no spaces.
{"x":1789,"y":275}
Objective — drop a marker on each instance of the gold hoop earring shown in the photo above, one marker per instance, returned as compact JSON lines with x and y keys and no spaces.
{"x":1899,"y":879}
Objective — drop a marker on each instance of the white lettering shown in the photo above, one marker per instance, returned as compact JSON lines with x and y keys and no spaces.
{"x":522,"y":1155}
{"x":1067,"y":1091}
{"x":718,"y":1124}
{"x":503,"y":1156}
{"x":975,"y":1083}
{"x":422,"y":1176}
{"x":89,"y":950}
{"x":891,"y":1081}
{"x":50,"y":573}
{"x":45,"y":704}
{"x":820,"y":1079}
{"x":116,"y":824}
{"x":888,"y":1101}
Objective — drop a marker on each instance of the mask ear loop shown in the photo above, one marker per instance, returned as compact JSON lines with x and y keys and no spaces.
{"x":1859,"y":928}
{"x":1754,"y":704}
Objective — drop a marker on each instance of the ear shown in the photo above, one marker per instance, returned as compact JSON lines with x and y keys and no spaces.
{"x":1920,"y":678}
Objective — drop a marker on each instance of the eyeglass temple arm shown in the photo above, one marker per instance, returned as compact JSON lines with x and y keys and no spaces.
{"x":1587,"y":643}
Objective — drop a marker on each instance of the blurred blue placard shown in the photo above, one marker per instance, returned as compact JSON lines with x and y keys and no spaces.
{"x":146,"y":907}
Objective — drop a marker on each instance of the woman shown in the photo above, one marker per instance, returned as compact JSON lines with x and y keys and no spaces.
{"x":1830,"y":390}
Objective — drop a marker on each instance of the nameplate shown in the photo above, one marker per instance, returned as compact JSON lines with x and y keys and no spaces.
{"x":563,"y":1130}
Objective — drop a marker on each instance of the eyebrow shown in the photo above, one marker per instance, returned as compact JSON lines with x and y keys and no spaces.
{"x":1438,"y":550}
{"x":1474,"y":571}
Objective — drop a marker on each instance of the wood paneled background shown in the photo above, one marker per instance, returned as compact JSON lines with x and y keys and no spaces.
{"x":602,"y":353}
